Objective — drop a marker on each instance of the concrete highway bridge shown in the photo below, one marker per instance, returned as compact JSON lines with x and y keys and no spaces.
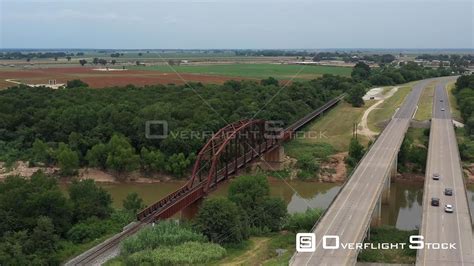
{"x":443,"y":160}
{"x":359,"y":202}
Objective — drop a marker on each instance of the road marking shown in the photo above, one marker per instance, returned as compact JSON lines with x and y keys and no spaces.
{"x":384,"y":136}
{"x":449,"y":131}
{"x":416,"y":93}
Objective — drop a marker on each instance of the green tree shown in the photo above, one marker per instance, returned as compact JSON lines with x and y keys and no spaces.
{"x":219,"y":219}
{"x":97,"y":156}
{"x":250,"y":194}
{"x":76,"y":83}
{"x":249,"y":190}
{"x":12,"y":248}
{"x":269,"y":81}
{"x":68,"y":160}
{"x":23,"y":201}
{"x":152,"y":161}
{"x":121,"y":155}
{"x":361,"y":71}
{"x":177,"y":164}
{"x":41,"y":153}
{"x":82,"y":62}
{"x":356,"y":151}
{"x":44,"y":241}
{"x":302,"y":222}
{"x":89,"y":200}
{"x":274,"y":213}
{"x":133,"y":202}
{"x":404,"y":151}
{"x":355,"y":95}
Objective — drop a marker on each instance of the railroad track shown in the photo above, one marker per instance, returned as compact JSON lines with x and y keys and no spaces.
{"x":92,"y":255}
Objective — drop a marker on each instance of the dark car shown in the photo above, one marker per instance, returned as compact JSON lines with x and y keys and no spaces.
{"x":434,"y":202}
{"x":448,"y":191}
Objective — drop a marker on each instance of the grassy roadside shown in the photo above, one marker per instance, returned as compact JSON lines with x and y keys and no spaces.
{"x":262,"y":251}
{"x":334,"y":127}
{"x":387,"y":109}
{"x":425,"y":105}
{"x":455,"y":113}
{"x":387,"y":234}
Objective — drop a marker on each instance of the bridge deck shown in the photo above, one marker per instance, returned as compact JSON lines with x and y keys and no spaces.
{"x":350,"y":213}
{"x":438,"y":226}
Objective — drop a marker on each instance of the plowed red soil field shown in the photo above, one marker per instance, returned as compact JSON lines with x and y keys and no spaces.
{"x":102,"y":79}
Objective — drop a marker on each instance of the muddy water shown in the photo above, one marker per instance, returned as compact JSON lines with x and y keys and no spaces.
{"x":404,"y":212}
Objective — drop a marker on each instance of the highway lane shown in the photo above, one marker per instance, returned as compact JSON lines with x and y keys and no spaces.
{"x":351,"y":211}
{"x":443,"y":159}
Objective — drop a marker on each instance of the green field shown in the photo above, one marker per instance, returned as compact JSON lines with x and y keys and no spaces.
{"x":257,"y":71}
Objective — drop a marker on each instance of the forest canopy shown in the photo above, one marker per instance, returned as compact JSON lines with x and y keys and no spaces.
{"x":106,"y":128}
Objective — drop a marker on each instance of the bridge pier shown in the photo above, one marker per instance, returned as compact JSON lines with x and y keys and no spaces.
{"x":377,"y":214}
{"x":273,"y":160}
{"x":388,"y":181}
{"x":191,"y":211}
{"x":385,"y":196}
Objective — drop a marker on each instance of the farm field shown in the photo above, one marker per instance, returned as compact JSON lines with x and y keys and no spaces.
{"x":259,"y":71}
{"x":163,"y":74}
{"x":101,"y":79}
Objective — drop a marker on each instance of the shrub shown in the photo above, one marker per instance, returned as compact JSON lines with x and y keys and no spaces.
{"x":221,"y":221}
{"x":302,"y":222}
{"x":189,"y":253}
{"x":89,"y":200}
{"x":163,"y":234}
{"x":76,"y":83}
{"x":87,"y":230}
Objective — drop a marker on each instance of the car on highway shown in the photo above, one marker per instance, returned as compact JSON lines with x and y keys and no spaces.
{"x":448,"y":191}
{"x":442,"y":109}
{"x":435,"y":176}
{"x":449,"y":208}
{"x":434,"y":202}
{"x":441,"y":100}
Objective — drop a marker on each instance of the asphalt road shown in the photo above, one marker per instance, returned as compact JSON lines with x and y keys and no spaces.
{"x":350,"y":213}
{"x":437,"y":225}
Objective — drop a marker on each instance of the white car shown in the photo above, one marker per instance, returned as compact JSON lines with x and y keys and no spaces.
{"x":449,"y":208}
{"x":435,"y":176}
{"x":442,"y":109}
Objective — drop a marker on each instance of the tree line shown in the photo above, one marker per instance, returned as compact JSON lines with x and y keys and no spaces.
{"x":78,"y":126}
{"x":42,"y":225}
{"x":464,"y":93}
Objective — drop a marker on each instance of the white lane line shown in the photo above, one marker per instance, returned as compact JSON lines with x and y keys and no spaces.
{"x":449,"y":131}
{"x":402,"y":120}
{"x":384,"y":136}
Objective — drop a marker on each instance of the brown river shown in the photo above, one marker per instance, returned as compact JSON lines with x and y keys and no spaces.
{"x":404,"y":212}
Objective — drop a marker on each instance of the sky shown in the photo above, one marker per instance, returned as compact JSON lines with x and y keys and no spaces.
{"x":232,"y":24}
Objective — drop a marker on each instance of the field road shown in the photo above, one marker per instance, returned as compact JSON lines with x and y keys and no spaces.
{"x":443,"y":159}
